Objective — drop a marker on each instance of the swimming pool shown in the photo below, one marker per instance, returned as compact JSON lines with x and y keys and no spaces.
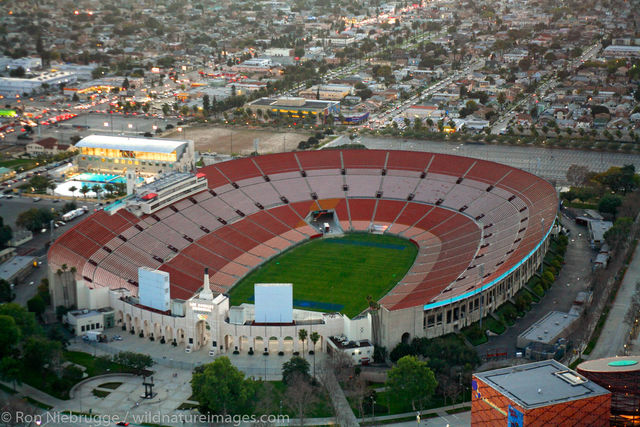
{"x":100,"y":177}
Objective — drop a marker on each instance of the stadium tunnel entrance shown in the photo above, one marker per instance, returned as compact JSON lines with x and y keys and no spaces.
{"x":326,"y":221}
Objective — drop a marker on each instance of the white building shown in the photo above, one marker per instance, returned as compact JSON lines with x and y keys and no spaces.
{"x":28,"y":63}
{"x":12,"y":86}
{"x":617,"y":51}
{"x":83,"y":321}
{"x":104,"y":153}
{"x":208,"y":322}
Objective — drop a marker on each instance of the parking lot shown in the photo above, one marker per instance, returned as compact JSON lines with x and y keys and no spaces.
{"x":551,"y":164}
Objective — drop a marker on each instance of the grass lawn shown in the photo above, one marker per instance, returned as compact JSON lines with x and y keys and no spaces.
{"x":100,"y":368}
{"x":493,"y":325}
{"x":335,"y":274}
{"x":389,"y":404}
{"x":16,"y":163}
{"x":49,"y":383}
{"x":112,"y":386}
{"x":100,"y":393}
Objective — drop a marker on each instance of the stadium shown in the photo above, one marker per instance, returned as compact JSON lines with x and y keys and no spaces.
{"x":481,"y":230}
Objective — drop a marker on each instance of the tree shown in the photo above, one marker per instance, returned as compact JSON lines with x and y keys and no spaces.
{"x":135,"y":361}
{"x":125,"y":84}
{"x":502,"y":98}
{"x":39,"y":351}
{"x":205,"y":104}
{"x":6,"y":293}
{"x":302,"y":335}
{"x":9,"y":334}
{"x":39,"y":183}
{"x":34,"y":219}
{"x":5,"y":233}
{"x":17,"y":72}
{"x":10,"y":370}
{"x":525,"y":64}
{"x":577,"y":175}
{"x":619,"y":233}
{"x":300,"y":395}
{"x":97,"y":188}
{"x":295,"y":366}
{"x":25,"y":320}
{"x":412,"y":381}
{"x":220,"y":388}
{"x":36,"y":305}
{"x":314,"y":337}
{"x":73,"y":190}
{"x":84,"y":190}
{"x":609,"y":203}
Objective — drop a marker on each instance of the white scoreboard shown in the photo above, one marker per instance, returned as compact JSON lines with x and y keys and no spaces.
{"x":153,"y":288}
{"x":274,"y":302}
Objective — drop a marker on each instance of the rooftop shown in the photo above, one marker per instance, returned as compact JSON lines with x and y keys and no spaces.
{"x":547,"y":329}
{"x":344,"y":343}
{"x":164,"y":181}
{"x":148,"y":145}
{"x":10,"y":268}
{"x":539,"y":384}
{"x":611,"y":364}
{"x":282,"y":102}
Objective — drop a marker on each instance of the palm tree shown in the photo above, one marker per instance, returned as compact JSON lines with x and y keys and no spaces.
{"x":302,"y":335}
{"x":314,"y":337}
{"x":84,"y":190}
{"x":73,"y":190}
{"x":109,"y":188}
{"x":52,"y":186}
{"x":97,"y":189}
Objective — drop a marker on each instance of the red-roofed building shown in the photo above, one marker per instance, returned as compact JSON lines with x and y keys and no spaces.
{"x":47,"y":146}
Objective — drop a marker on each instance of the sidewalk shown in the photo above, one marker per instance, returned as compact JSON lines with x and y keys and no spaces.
{"x":615,"y":331}
{"x":25,"y":390}
{"x":442,"y":411}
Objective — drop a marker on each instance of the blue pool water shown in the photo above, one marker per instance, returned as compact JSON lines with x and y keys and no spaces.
{"x":100,"y":177}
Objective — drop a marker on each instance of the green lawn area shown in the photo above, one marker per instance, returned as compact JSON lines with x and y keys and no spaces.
{"x":51,"y":384}
{"x":100,"y":393}
{"x":112,"y":386}
{"x":16,"y":163}
{"x":335,"y":274}
{"x":96,"y":366}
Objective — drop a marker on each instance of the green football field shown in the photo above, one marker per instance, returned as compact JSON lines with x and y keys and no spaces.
{"x":335,"y":274}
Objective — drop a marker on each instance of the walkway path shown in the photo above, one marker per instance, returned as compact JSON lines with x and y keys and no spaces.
{"x":25,"y":390}
{"x":344,"y":413}
{"x":615,"y":331}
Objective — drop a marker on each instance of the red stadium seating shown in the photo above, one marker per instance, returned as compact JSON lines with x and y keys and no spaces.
{"x":264,"y":217}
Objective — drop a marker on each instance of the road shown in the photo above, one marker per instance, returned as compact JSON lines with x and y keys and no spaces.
{"x":571,"y":280}
{"x":380,"y":120}
{"x":549,"y":163}
{"x":615,"y":331}
{"x":505,"y":118}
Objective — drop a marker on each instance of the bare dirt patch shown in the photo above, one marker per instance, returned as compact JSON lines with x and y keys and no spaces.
{"x":239,"y":140}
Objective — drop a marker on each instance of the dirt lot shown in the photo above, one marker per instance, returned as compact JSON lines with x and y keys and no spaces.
{"x":239,"y":140}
